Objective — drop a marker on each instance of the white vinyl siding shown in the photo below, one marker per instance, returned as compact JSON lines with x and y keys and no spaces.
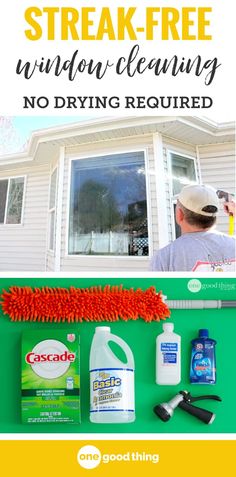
{"x":218,"y":170}
{"x":23,"y":248}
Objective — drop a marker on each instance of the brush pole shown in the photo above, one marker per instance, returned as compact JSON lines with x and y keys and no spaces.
{"x":231,"y":225}
{"x":200,"y":304}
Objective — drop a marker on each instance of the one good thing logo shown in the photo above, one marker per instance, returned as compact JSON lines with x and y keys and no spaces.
{"x":89,"y":457}
{"x":194,"y":286}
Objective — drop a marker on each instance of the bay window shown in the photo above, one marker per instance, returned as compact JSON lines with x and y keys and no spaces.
{"x":108,"y":205}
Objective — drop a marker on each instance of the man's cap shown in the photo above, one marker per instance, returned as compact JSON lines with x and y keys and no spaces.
{"x":201,"y":199}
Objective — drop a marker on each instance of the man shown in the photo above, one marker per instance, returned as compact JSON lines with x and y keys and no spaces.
{"x":200,"y":247}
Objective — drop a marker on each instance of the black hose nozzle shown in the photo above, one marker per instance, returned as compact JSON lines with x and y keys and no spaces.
{"x":183,"y":400}
{"x":202,"y":414}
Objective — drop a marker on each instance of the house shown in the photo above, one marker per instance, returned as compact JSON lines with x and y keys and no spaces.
{"x":99,"y":195}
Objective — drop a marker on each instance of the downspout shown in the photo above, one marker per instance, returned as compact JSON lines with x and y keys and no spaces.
{"x":57,"y":263}
{"x":163,"y":236}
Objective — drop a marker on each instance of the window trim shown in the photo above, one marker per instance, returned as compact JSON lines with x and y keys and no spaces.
{"x":9,"y":178}
{"x":173,"y":201}
{"x":121,"y":150}
{"x":51,"y":210}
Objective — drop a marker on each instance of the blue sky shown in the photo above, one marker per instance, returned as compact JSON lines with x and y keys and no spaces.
{"x":25,"y":125}
{"x":15,"y":139}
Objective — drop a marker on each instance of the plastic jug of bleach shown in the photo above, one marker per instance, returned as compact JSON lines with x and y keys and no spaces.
{"x":111,"y":381}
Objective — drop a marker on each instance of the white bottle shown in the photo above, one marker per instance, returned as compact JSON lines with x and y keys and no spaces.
{"x":168,"y":356}
{"x":111,"y":381}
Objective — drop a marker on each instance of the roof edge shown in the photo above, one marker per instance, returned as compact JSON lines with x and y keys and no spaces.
{"x":109,"y":123}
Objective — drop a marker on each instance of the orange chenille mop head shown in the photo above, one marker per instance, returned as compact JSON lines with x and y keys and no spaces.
{"x":83,"y":304}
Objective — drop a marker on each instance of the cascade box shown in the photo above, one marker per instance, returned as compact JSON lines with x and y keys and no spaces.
{"x":50,"y":379}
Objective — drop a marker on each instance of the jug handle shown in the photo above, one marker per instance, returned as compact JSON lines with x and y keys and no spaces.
{"x":126,"y":349}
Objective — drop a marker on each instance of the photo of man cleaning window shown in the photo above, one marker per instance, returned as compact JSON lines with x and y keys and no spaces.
{"x":200,"y":247}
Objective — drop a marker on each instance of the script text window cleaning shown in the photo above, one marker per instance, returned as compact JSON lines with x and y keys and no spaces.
{"x":108,"y":206}
{"x":11,"y":200}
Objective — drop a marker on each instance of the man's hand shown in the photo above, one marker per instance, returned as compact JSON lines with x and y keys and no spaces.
{"x":229,"y":207}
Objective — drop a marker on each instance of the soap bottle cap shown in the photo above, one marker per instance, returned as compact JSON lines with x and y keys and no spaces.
{"x":204,"y":333}
{"x":168,"y":327}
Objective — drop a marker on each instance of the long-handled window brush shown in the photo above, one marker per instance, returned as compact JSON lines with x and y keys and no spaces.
{"x":95,"y":304}
{"x":80,"y":304}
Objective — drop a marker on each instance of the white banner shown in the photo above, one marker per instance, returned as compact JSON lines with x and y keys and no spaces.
{"x":96,"y":57}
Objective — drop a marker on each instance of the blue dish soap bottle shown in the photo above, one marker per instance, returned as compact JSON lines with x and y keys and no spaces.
{"x":203,"y":361}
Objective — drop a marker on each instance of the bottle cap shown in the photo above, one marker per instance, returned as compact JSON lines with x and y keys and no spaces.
{"x":168,"y":327}
{"x":102,"y":328}
{"x":204,"y":333}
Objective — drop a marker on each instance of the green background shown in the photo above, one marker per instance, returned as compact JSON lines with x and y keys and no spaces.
{"x":141,"y":337}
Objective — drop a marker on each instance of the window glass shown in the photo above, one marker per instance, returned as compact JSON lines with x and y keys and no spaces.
{"x":15,"y":200}
{"x":3,"y":197}
{"x":108,"y":206}
{"x":182,"y":172}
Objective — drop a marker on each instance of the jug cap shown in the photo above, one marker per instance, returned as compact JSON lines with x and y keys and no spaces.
{"x":102,"y":328}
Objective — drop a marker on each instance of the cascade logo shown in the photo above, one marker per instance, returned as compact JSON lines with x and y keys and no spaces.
{"x":50,"y":359}
{"x":89,"y":457}
{"x":32,"y":358}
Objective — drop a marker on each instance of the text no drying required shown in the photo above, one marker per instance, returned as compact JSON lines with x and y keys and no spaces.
{"x":115,"y":102}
